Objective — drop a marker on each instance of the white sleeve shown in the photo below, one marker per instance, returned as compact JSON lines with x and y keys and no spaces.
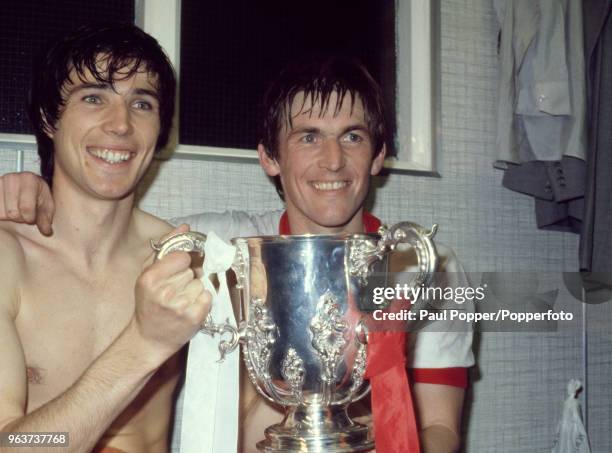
{"x":445,"y":344}
{"x":230,"y":224}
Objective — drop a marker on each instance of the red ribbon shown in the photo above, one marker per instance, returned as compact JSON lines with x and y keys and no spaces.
{"x":395,"y":427}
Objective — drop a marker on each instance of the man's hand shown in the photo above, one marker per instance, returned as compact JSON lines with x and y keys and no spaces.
{"x":171,"y":302}
{"x":26,"y":198}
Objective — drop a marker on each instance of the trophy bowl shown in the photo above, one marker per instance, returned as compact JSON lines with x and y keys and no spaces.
{"x":303,"y":333}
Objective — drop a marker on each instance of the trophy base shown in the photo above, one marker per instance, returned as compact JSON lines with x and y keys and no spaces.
{"x":317,"y":429}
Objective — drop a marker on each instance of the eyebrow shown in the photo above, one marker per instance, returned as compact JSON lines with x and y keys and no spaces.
{"x":107,"y":86}
{"x":75,"y":88}
{"x":316,"y":130}
{"x":355,"y":127}
{"x":305,"y":130}
{"x":146,"y":92}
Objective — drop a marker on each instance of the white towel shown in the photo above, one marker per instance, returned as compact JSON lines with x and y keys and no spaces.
{"x":210,"y":407}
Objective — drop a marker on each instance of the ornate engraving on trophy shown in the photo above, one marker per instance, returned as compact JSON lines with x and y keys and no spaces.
{"x":260,"y":336}
{"x":328,"y":336}
{"x":362,"y":254}
{"x":358,"y":371}
{"x":293,"y":371}
{"x":239,"y":267}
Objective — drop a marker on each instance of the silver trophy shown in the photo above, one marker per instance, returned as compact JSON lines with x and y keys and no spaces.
{"x":302,"y":326}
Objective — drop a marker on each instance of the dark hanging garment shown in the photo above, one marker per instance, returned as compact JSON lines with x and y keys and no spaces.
{"x":557,"y":188}
{"x":596,"y":233}
{"x":541,"y":116}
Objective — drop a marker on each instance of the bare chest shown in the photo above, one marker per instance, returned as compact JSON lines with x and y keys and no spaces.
{"x":66,"y":320}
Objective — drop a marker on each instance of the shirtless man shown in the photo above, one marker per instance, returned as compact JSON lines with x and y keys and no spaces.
{"x":83,"y":349}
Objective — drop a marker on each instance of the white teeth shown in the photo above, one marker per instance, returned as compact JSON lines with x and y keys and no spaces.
{"x":332,"y":185}
{"x":112,"y":157}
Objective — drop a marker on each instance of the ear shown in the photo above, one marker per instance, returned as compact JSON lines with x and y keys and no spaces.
{"x":378,"y":161}
{"x":269,"y":165}
{"x":47,"y":129}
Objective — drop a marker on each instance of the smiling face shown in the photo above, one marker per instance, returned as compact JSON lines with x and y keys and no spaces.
{"x":106,"y":135}
{"x":326,"y":158}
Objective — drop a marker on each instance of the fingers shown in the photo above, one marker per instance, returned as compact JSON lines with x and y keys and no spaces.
{"x":180,"y":280}
{"x":197,"y":301}
{"x":11,"y":198}
{"x":45,"y":209}
{"x":195,"y":295}
{"x":185,"y":293}
{"x":173,"y":263}
{"x":171,"y":304}
{"x":26,"y":198}
{"x":182,"y":228}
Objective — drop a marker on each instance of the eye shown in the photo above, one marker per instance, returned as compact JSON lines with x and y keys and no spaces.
{"x":309,"y":138}
{"x":353,"y":137}
{"x":92,"y":99}
{"x":143,"y":105}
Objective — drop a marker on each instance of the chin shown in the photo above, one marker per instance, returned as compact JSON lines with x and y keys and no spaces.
{"x":333,"y":220}
{"x":112,"y":194}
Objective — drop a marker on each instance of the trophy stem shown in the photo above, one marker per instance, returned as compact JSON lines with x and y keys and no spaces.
{"x":317,"y":428}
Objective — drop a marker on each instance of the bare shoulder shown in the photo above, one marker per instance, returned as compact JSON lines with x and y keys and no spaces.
{"x":11,"y":249}
{"x":12,"y":266}
{"x":150,"y":226}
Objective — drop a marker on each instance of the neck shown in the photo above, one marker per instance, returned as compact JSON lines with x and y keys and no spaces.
{"x":300,"y":224}
{"x":93,"y":228}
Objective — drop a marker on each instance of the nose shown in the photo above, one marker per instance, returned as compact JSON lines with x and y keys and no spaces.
{"x":118,"y":121}
{"x":332,"y":156}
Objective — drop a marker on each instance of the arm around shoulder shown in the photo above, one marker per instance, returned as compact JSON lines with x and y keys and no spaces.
{"x":230,"y":224}
{"x":26,"y":198}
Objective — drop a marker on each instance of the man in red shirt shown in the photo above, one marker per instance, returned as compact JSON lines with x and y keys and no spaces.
{"x":323,"y":137}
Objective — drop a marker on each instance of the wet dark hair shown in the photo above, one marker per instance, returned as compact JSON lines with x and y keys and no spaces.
{"x":120,"y":46}
{"x":318,"y":79}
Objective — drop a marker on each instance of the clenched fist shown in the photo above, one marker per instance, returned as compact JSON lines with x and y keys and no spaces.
{"x":171,"y":302}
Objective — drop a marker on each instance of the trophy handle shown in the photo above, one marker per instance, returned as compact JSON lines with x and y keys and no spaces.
{"x":364,"y":253}
{"x":192,"y":241}
{"x":358,"y":390}
{"x":361,"y":336}
{"x":422,"y":242}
